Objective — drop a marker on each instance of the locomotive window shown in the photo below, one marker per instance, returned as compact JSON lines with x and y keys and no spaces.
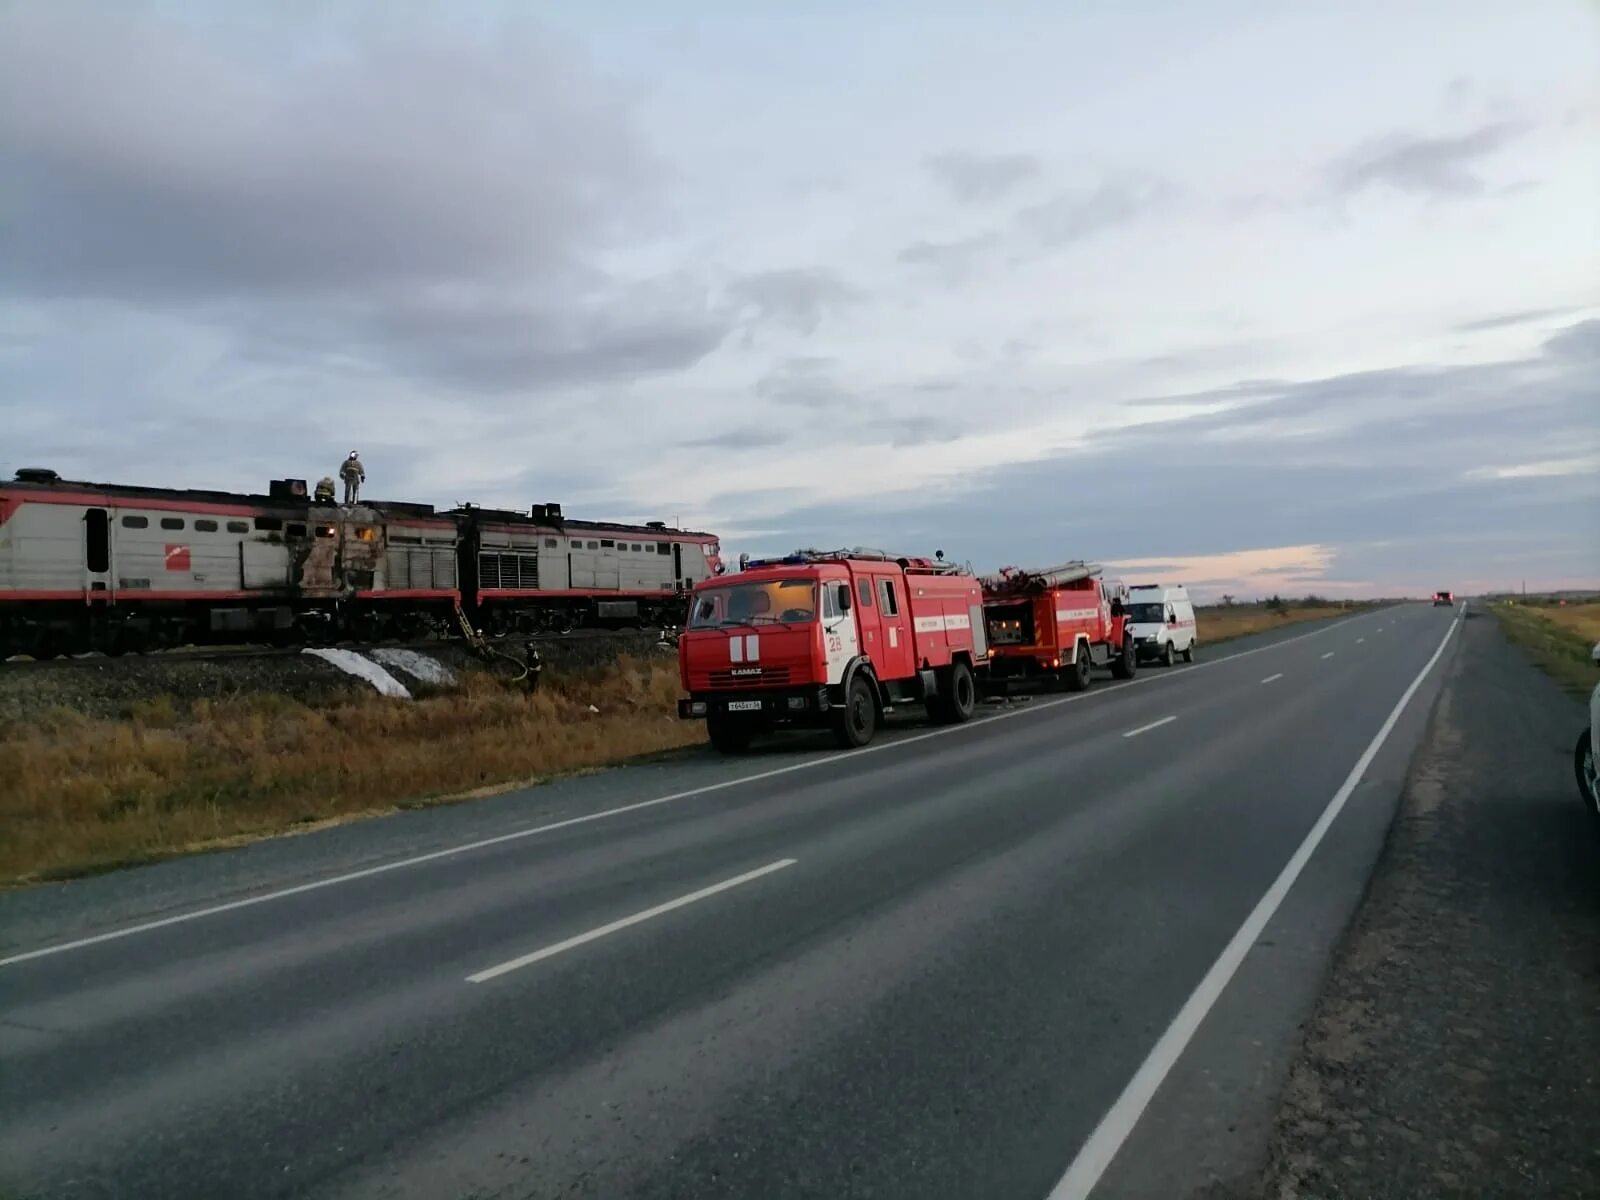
{"x":323,"y":531}
{"x":663,"y":547}
{"x":549,"y":543}
{"x":135,"y":522}
{"x":296,"y":529}
{"x":594,"y":545}
{"x":269,"y":524}
{"x":864,"y":590}
{"x":366,"y":533}
{"x":238,"y":527}
{"x":637,"y":547}
{"x":172,"y":522}
{"x":202,"y":525}
{"x":606,"y":543}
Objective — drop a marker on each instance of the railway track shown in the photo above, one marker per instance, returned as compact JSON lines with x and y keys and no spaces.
{"x":512,"y":645}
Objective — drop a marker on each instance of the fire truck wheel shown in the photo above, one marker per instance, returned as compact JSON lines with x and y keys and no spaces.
{"x":1078,"y":673}
{"x":857,"y":721}
{"x":958,"y":694}
{"x":1126,"y":662}
{"x":1188,"y":653}
{"x":728,"y":735}
{"x":1166,"y":655}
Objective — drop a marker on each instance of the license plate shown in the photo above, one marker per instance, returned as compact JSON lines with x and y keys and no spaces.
{"x":744,"y":706}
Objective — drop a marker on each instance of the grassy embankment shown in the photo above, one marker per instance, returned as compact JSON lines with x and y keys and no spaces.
{"x":1222,"y":623}
{"x":84,"y":794}
{"x":1558,"y":638}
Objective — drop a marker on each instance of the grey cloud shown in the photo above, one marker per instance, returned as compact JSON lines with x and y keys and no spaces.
{"x":1074,"y":215}
{"x":752,"y":438}
{"x":956,"y":258}
{"x":912,"y":431}
{"x":1427,"y":166}
{"x":972,"y":177}
{"x":1068,"y":217}
{"x":1378,"y":464}
{"x":208,"y":173}
{"x":1580,"y":343}
{"x":796,"y":297}
{"x":429,"y":203}
{"x":804,"y":382}
{"x":1507,"y":320}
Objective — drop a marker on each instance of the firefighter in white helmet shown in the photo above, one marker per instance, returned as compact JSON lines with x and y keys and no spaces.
{"x":354,"y":475}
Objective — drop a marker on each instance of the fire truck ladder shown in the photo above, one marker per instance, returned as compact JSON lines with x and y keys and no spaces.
{"x":1019,"y":579}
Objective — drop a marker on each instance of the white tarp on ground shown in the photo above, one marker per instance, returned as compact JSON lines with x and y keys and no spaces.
{"x":352,"y":663}
{"x":418,"y":666}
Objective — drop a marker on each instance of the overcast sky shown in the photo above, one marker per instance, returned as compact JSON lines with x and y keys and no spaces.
{"x":1268,"y":297}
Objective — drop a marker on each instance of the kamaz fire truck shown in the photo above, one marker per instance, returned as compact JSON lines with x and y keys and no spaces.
{"x":830,"y":639}
{"x":1057,"y":622}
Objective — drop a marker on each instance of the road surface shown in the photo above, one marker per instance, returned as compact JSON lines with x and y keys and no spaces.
{"x":1066,"y":946}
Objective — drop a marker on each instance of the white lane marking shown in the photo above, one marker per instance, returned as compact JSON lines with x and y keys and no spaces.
{"x":705,"y":789}
{"x":1149,"y":727}
{"x":527,"y":960}
{"x":1270,"y":678}
{"x":1329,"y":654}
{"x":1097,"y":1153}
{"x":1360,"y":640}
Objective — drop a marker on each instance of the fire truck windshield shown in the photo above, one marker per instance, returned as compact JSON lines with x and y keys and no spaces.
{"x":774,"y":602}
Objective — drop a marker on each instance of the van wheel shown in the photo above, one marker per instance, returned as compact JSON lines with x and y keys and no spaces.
{"x":1126,"y":662}
{"x":1078,"y":672}
{"x":1167,"y":657}
{"x":728,"y":735}
{"x":958,"y":693}
{"x":857,"y":721}
{"x":1188,"y":652}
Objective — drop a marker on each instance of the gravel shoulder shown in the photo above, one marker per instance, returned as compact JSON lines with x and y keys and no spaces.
{"x":1456,"y":1048}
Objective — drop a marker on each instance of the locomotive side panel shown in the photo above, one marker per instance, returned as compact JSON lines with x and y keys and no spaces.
{"x":42,"y":548}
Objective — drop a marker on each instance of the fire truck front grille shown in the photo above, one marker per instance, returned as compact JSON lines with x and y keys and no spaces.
{"x":750,"y":677}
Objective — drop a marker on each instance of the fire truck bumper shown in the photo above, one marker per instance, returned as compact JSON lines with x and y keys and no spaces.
{"x":788,"y":704}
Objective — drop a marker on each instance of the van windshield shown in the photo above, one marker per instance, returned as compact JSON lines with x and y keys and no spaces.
{"x":1145,"y":612}
{"x":775,"y":602}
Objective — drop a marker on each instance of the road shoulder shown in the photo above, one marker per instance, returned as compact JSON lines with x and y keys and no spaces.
{"x":1456,"y":1047}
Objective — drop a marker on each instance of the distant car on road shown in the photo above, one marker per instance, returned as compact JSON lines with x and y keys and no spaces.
{"x":1587,"y":752}
{"x":1443,"y":598}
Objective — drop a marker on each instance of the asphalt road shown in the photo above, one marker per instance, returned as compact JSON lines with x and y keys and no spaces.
{"x":959,"y":963}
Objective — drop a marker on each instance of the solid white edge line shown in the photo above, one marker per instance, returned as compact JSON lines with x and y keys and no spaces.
{"x":1098,"y":1152}
{"x":527,"y":960}
{"x":1329,"y":654}
{"x":705,"y":789}
{"x":1149,"y":727}
{"x":1360,"y":640}
{"x":1270,"y":678}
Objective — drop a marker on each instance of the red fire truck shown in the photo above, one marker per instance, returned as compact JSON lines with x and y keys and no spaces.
{"x":830,"y":639}
{"x":1060,"y":621}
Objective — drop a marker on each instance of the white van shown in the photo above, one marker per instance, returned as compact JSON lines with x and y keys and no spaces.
{"x":1161,"y":623}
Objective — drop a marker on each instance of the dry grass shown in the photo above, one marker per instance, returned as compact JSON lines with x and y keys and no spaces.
{"x":1559,"y":639}
{"x":83,"y":793}
{"x":1213,"y":625}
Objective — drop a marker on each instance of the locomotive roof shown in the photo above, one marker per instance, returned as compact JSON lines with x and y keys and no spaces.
{"x":397,"y":507}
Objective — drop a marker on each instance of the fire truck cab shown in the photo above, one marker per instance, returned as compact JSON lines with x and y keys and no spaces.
{"x":830,"y":640}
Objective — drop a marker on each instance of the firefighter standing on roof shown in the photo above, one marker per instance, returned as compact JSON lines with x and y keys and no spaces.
{"x":354,"y":475}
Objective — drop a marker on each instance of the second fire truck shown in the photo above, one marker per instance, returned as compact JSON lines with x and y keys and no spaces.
{"x":1059,"y":622}
{"x":832,"y":640}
